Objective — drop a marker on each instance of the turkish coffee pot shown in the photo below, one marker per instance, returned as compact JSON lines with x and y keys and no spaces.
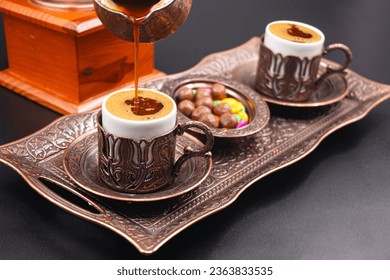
{"x":164,"y":18}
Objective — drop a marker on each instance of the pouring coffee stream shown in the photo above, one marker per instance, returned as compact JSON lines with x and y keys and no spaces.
{"x":142,"y":21}
{"x":137,"y":12}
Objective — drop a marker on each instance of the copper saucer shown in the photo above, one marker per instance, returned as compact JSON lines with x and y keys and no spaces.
{"x":81,"y":159}
{"x":331,"y":89}
{"x":255,"y":106}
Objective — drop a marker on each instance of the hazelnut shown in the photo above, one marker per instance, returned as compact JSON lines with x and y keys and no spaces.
{"x":228,"y":120}
{"x":218,"y":91}
{"x":205,"y":101}
{"x":199,"y":111}
{"x":185,"y":93}
{"x":221,"y":108}
{"x":186,"y":107}
{"x":209,"y":119}
{"x":202,"y":92}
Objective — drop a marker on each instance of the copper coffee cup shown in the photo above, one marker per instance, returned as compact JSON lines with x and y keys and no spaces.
{"x":288,"y":70}
{"x":145,"y":165}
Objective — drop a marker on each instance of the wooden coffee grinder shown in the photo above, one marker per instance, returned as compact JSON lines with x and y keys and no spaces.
{"x":61,"y":56}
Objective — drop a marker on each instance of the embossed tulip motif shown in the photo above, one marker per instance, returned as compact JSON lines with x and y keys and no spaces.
{"x":287,"y":77}
{"x":131,"y":165}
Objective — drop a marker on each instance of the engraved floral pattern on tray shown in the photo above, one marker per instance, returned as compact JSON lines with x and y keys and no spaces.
{"x":237,"y":163}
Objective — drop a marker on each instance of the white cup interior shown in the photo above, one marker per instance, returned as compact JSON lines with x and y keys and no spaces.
{"x":137,"y":129}
{"x":286,"y":47}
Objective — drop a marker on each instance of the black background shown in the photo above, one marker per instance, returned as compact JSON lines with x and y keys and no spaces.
{"x":334,"y":204}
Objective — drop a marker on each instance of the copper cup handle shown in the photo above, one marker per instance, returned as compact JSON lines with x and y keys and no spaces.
{"x":189,"y":152}
{"x":345,"y":50}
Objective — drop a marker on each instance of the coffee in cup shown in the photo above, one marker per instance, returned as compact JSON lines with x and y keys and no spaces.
{"x":290,"y":55}
{"x":153,"y":114}
{"x":296,"y":32}
{"x":137,"y":141}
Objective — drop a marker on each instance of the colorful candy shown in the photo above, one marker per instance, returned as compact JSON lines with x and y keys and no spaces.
{"x":235,"y":105}
{"x":242,"y":123}
{"x":243,"y":116}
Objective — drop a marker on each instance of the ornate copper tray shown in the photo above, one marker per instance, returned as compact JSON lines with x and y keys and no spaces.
{"x":289,"y":136}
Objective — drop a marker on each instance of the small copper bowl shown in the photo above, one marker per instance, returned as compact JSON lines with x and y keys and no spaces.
{"x":257,"y":110}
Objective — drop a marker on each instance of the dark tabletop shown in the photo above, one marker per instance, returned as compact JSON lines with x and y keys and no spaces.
{"x":333,"y":204}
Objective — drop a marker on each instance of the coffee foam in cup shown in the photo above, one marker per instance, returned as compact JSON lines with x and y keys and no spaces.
{"x":120,"y":105}
{"x":295,"y":32}
{"x":118,"y":119}
{"x":278,"y":39}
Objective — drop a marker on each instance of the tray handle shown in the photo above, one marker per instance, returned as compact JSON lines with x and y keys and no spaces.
{"x":55,"y":198}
